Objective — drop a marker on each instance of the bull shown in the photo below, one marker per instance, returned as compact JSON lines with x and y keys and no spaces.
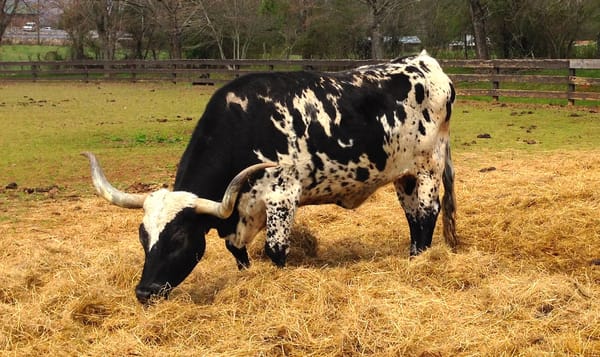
{"x":268,"y":143}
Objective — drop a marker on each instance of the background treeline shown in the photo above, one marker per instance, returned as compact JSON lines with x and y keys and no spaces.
{"x":108,"y":29}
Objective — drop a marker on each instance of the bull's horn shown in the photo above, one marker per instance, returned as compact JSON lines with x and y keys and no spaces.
{"x":224,"y":208}
{"x":106,"y":190}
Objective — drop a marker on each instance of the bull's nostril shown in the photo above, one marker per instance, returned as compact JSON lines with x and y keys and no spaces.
{"x":143,"y":294}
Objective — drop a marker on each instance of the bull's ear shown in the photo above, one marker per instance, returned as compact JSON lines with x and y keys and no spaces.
{"x":106,"y":190}
{"x":224,"y":208}
{"x":423,"y":53}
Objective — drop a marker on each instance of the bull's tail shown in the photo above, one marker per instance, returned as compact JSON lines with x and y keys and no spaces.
{"x":449,"y":202}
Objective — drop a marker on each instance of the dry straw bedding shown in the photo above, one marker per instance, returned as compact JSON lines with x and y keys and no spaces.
{"x":524,"y":281}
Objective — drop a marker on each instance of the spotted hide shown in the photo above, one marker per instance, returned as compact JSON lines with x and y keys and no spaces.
{"x":332,"y":138}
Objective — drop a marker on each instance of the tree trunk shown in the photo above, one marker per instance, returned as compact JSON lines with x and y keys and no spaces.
{"x":376,"y":41}
{"x":478,"y":17}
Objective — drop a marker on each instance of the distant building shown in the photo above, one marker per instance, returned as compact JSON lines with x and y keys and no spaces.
{"x":25,"y":12}
{"x":410,"y":40}
{"x":410,"y":43}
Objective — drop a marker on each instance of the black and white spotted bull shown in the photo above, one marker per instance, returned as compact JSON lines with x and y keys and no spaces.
{"x":269,"y":143}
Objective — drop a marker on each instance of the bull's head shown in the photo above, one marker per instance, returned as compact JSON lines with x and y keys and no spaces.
{"x":171,"y":232}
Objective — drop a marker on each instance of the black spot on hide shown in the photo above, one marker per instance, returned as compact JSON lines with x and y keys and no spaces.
{"x":449,"y":102}
{"x":359,"y":126}
{"x":426,"y":115}
{"x":311,"y":111}
{"x":318,"y":166}
{"x":419,"y":93}
{"x":362,"y":174}
{"x":421,"y":128}
{"x":415,"y":70}
{"x":399,"y":86}
{"x":402,"y":59}
{"x":408,"y":184}
{"x":401,"y":114}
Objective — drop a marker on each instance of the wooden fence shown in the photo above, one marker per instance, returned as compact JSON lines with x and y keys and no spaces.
{"x":566,"y":79}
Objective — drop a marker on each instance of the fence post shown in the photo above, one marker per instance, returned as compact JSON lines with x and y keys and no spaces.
{"x":34,"y":72}
{"x":496,"y":83}
{"x":571,"y":85}
{"x":133,"y":72}
{"x":174,"y":74}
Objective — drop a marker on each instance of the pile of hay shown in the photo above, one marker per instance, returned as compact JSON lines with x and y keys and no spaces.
{"x":525,"y":280}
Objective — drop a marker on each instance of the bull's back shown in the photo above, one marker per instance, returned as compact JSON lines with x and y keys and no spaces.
{"x":342,"y":135}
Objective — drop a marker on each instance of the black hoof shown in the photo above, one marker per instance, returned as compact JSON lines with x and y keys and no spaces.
{"x":240,"y":255}
{"x":277,"y":254}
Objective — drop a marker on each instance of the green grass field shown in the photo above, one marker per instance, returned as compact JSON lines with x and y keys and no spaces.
{"x":47,"y":125}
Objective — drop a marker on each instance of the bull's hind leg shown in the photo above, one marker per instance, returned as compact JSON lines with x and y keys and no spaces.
{"x":419,"y":196}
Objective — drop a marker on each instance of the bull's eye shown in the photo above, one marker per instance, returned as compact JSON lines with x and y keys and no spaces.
{"x":177,"y":240}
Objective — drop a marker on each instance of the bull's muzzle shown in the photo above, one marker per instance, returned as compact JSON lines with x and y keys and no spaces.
{"x":145,"y":294}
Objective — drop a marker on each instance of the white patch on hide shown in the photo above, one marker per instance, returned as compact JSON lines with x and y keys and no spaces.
{"x":349,"y":144}
{"x":232,"y":98}
{"x":160,"y":208}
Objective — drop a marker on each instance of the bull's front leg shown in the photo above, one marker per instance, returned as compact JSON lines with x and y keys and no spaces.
{"x":240,"y":254}
{"x":419,"y":196}
{"x":281,"y":208}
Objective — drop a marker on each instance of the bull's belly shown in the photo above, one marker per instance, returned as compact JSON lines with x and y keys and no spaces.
{"x":350,"y":185}
{"x":344,"y":194}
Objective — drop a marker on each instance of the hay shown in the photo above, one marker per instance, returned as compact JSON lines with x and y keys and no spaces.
{"x":522,"y":282}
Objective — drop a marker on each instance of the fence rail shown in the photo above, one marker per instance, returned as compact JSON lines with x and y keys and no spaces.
{"x":551,"y":79}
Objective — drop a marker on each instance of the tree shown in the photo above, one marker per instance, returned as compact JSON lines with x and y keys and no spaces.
{"x":325,"y":28}
{"x":106,"y":15}
{"x":139,"y":21}
{"x":287,"y":21}
{"x":442,"y":21}
{"x":558,"y":25}
{"x":232,"y":25}
{"x":378,"y":9}
{"x":7,"y":10}
{"x":175,"y":16}
{"x":93,"y":23}
{"x":381,"y":12}
{"x":77,"y":26}
{"x":539,"y":28}
{"x":479,"y":15}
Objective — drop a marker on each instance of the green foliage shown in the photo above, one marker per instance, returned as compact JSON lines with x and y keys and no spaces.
{"x":540,"y":28}
{"x":321,"y":28}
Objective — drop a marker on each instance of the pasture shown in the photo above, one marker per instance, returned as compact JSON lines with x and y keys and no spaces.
{"x":525,"y":280}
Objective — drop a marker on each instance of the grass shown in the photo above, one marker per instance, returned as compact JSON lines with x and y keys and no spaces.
{"x":32,"y":52}
{"x":526,"y":127}
{"x":46,"y":125}
{"x":524,"y":281}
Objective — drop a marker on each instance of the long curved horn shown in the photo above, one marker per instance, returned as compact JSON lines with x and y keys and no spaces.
{"x":106,"y":190}
{"x":224,"y":208}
